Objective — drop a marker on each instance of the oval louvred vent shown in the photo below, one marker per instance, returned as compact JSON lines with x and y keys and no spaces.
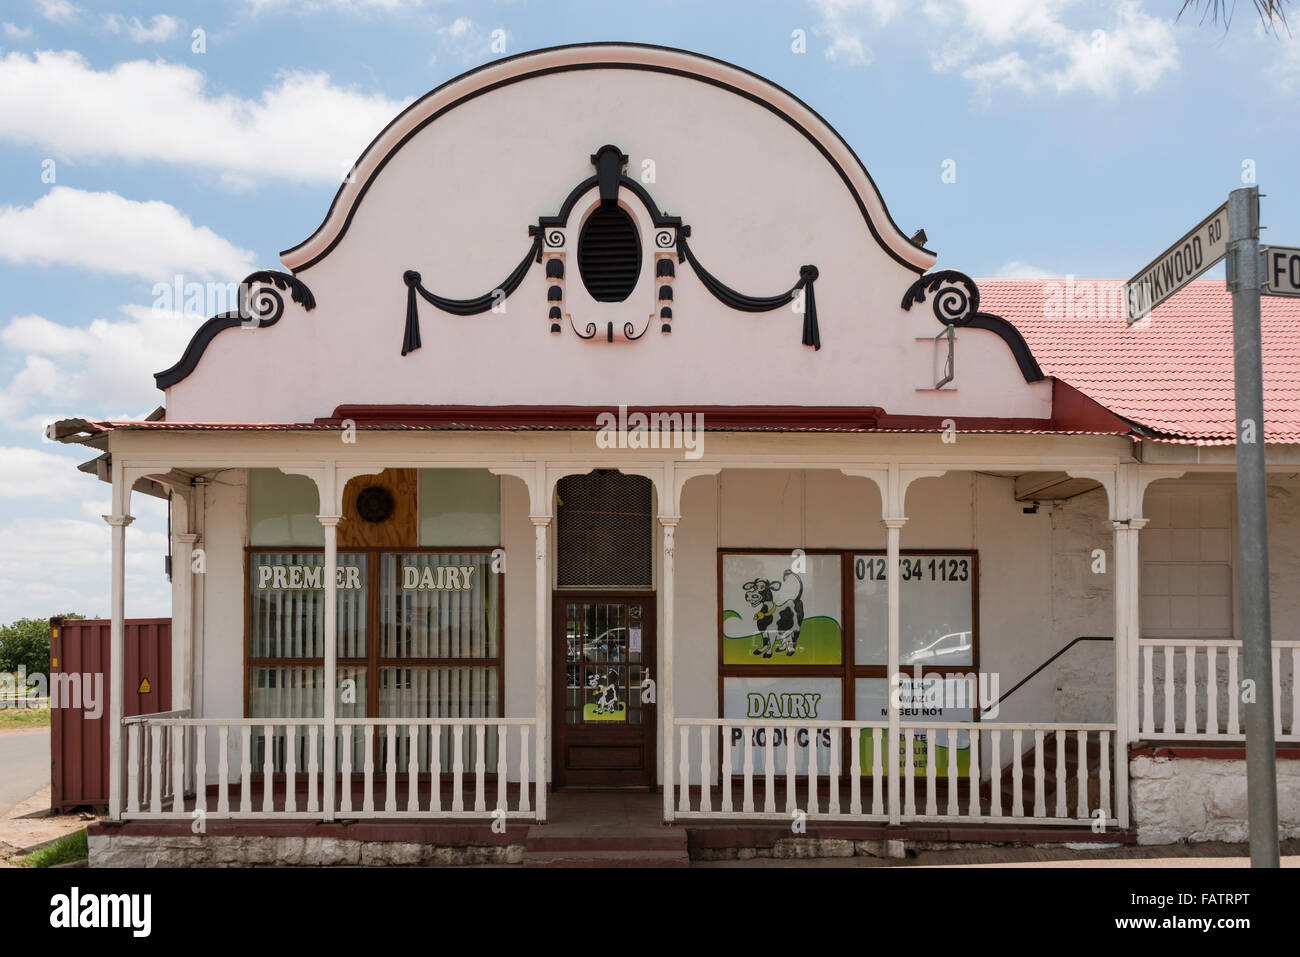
{"x":609,"y":254}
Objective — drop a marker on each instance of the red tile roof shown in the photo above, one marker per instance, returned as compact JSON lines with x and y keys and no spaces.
{"x":1170,"y":373}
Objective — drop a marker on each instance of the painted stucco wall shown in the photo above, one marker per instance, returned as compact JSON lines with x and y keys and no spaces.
{"x":225,"y":536}
{"x":1081,"y":682}
{"x":455,"y":203}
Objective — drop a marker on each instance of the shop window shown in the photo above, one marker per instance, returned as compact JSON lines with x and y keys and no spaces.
{"x":419,"y":636}
{"x":786,"y":653}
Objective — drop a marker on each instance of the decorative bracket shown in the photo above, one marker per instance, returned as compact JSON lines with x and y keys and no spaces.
{"x":263,"y":308}
{"x":957,"y":303}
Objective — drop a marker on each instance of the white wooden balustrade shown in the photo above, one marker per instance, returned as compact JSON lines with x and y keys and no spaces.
{"x":1186,"y":690}
{"x":274,"y":767}
{"x":1005,"y":772}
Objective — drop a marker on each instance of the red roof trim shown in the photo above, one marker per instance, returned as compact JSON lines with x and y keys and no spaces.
{"x":584,"y":417}
{"x":860,"y":419}
{"x":1071,"y":409}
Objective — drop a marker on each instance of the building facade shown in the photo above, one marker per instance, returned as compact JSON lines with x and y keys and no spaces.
{"x":609,"y":433}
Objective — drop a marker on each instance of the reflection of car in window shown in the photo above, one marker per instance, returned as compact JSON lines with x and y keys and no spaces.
{"x":954,"y":643}
{"x":607,"y":646}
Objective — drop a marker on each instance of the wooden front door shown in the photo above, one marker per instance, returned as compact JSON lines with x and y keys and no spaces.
{"x":604,"y":734}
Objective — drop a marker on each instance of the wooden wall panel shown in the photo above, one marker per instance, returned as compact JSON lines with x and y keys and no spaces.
{"x":401,"y":530}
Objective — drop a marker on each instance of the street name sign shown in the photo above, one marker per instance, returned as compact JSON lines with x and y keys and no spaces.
{"x":1178,"y":265}
{"x":1280,"y":270}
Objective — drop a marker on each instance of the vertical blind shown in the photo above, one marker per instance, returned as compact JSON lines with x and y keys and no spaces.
{"x":429,"y":623}
{"x":444,"y":625}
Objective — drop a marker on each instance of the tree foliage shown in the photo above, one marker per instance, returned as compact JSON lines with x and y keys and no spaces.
{"x":1272,"y":13}
{"x":26,"y":643}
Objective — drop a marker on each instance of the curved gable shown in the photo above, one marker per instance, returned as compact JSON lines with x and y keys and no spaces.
{"x":756,"y":263}
{"x":607,"y":56}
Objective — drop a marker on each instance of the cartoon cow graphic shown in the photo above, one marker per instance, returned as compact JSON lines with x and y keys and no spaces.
{"x":779,"y":624}
{"x":604,"y":685}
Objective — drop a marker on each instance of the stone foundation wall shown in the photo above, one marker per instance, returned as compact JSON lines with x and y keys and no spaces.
{"x":109,"y":850}
{"x":1175,"y":800}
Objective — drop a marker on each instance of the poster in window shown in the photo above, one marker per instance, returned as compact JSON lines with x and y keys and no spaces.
{"x":606,"y":695}
{"x":781,"y":608}
{"x":931,"y":700}
{"x":935,"y":594}
{"x":781,"y":699}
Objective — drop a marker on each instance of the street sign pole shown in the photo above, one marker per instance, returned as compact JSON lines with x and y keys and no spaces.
{"x":1252,"y":525}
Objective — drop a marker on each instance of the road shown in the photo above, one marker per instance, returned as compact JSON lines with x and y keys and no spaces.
{"x":24,"y":766}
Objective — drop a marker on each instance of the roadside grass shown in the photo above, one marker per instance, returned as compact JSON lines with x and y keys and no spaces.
{"x":24,"y":718}
{"x":69,"y":848}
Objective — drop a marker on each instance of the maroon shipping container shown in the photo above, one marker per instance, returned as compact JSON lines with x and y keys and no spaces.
{"x":78,"y":743}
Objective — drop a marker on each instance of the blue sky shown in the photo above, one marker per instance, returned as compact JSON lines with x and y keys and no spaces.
{"x":1084,"y":138}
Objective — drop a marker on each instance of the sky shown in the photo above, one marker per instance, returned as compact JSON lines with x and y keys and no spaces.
{"x":141,"y":141}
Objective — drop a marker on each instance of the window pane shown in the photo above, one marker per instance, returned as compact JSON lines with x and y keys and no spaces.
{"x":298,"y":691}
{"x":604,"y":668}
{"x":438,"y":605}
{"x":781,"y":610}
{"x":871,"y":701}
{"x":935,"y":627}
{"x":288,"y":691}
{"x":778,"y":699}
{"x":443,"y":692}
{"x":287,"y":611}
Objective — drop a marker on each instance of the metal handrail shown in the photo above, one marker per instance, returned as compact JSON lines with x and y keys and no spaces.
{"x":158,"y":716}
{"x":1022,"y":681}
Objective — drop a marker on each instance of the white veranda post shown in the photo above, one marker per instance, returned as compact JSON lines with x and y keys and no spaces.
{"x":893,"y":528}
{"x":330,"y":524}
{"x":1126,"y":647}
{"x":665,"y":685}
{"x":541,"y":645}
{"x":118,"y":521}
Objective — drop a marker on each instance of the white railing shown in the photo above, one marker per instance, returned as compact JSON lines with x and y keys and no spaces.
{"x":1186,"y":690}
{"x":275,"y":768}
{"x":1002,"y":772}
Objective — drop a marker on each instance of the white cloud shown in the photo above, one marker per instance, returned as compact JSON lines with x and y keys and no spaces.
{"x":55,"y":565}
{"x":15,"y":32}
{"x":32,"y":473}
{"x":1023,"y":270}
{"x":104,"y":370}
{"x":1060,"y":46}
{"x":1033,"y":45}
{"x":161,"y":27}
{"x":107,"y":233}
{"x":466,"y":41}
{"x":843,"y":23}
{"x":304,"y":128}
{"x":1288,"y":62}
{"x":342,"y":6}
{"x":60,"y":11}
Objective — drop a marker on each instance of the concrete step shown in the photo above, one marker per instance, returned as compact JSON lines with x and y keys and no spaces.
{"x":607,"y":846}
{"x":659,"y":840}
{"x":608,"y":858}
